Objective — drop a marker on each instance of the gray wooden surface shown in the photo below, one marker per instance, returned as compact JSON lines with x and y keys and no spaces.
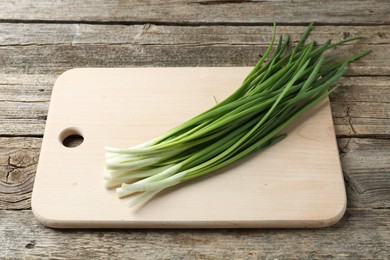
{"x":41,"y":39}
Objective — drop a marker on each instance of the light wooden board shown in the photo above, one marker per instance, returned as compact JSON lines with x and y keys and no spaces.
{"x":296,"y":183}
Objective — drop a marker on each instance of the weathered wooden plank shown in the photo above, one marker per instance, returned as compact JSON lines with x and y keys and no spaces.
{"x":365,"y":164}
{"x":362,"y":234}
{"x":24,"y":102}
{"x":18,"y":162}
{"x":58,"y":58}
{"x":27,"y":126}
{"x":366,"y":167}
{"x":50,"y":34}
{"x":361,"y":118}
{"x":27,"y":114}
{"x":54,"y":48}
{"x":200,"y":11}
{"x":362,"y":89}
{"x":26,"y":87}
{"x":361,"y":106}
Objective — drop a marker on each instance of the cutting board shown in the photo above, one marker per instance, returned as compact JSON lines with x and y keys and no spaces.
{"x":296,"y":183}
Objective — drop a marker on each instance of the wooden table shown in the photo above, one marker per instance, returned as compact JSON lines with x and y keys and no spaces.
{"x":41,"y":39}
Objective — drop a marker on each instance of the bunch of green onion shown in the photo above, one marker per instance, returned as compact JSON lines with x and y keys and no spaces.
{"x":249,"y":120}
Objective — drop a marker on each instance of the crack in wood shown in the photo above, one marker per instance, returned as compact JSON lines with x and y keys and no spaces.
{"x":7,"y":176}
{"x":145,"y":29}
{"x":24,"y":101}
{"x":19,"y":168}
{"x":349,"y":118}
{"x":351,"y":183}
{"x":191,"y":23}
{"x":18,"y":165}
{"x":39,"y":136}
{"x":189,"y":44}
{"x":345,"y":150}
{"x":32,"y":44}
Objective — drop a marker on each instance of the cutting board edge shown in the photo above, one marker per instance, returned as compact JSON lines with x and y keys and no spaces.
{"x":214,"y":224}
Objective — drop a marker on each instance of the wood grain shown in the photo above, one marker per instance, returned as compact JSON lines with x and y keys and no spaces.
{"x":58,"y":58}
{"x":366,"y":166}
{"x":53,"y":48}
{"x":24,"y":102}
{"x":24,"y":34}
{"x":200,"y":11}
{"x":18,"y":163}
{"x":362,"y":234}
{"x":360,"y":107}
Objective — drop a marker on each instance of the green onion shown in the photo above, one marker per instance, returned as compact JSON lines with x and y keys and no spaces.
{"x":249,"y":120}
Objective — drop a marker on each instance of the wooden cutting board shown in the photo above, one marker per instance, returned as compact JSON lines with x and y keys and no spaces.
{"x":296,"y":183}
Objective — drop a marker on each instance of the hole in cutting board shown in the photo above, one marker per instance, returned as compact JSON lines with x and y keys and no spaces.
{"x":71,"y":138}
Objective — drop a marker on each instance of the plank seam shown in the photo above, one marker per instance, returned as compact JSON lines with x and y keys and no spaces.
{"x":189,"y":23}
